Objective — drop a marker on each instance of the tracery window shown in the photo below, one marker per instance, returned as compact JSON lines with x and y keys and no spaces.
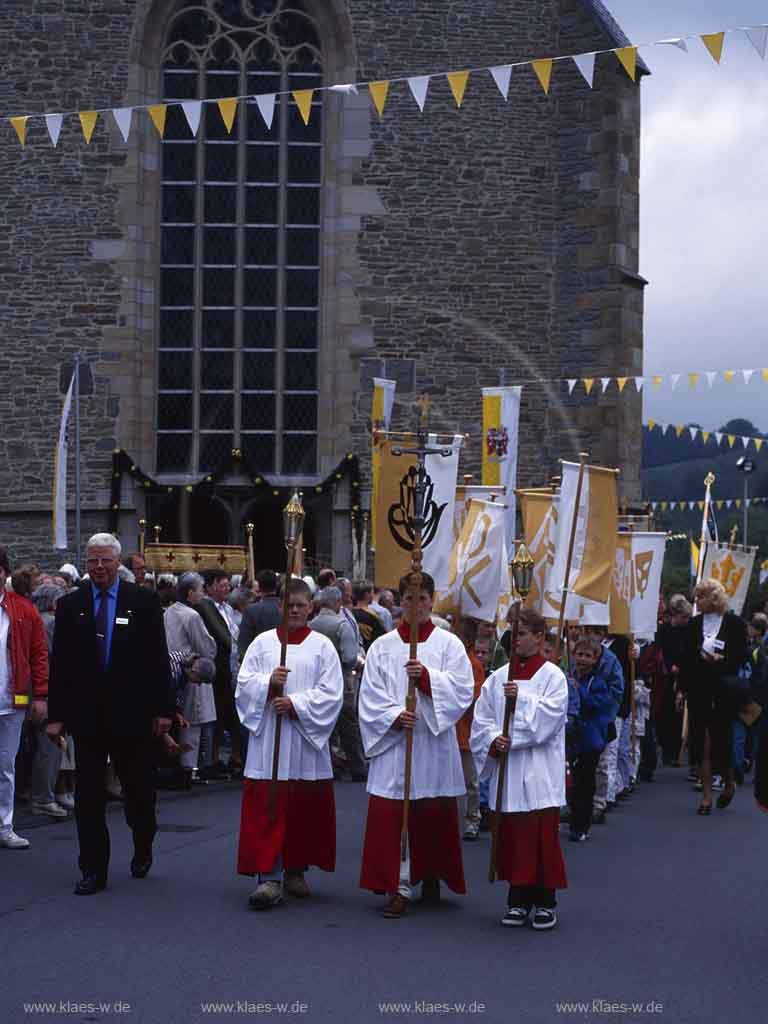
{"x":240,"y":241}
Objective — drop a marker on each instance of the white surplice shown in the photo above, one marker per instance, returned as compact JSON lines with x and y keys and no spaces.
{"x":316,"y":688}
{"x":436,"y":769}
{"x":535,"y":777}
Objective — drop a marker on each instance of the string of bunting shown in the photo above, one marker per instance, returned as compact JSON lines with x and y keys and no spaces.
{"x":693,"y":506}
{"x":706,"y":435}
{"x":123,"y":465}
{"x":418,"y":85}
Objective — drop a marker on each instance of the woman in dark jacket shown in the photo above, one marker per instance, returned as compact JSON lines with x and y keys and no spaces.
{"x":715,"y":649}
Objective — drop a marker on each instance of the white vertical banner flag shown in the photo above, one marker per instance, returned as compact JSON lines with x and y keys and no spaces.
{"x":477,"y":564}
{"x":585,"y":62}
{"x":501,"y":422}
{"x":732,"y":566}
{"x":502,"y":76}
{"x":383,"y":402}
{"x":60,"y":474}
{"x":637,"y":584}
{"x":443,"y":473}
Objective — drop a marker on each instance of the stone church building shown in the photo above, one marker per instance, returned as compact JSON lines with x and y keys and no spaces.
{"x":237,"y":292}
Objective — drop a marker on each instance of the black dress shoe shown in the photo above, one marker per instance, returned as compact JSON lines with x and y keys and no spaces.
{"x":140,"y":866}
{"x":90,"y":884}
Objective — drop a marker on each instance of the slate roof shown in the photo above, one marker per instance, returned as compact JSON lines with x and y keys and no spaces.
{"x":611,"y":27}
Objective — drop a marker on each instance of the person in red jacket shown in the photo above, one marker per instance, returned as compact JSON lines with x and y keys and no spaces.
{"x":23,"y":687}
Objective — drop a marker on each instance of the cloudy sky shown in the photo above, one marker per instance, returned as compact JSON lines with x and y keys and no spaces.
{"x":703,"y":196}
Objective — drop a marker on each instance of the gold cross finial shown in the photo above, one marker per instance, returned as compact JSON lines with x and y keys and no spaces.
{"x":709,"y":479}
{"x":424,"y":404}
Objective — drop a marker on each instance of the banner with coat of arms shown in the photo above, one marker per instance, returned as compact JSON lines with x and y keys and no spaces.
{"x":501,"y":421}
{"x":732,"y":566}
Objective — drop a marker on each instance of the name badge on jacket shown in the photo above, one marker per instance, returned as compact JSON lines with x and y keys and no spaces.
{"x":119,"y":621}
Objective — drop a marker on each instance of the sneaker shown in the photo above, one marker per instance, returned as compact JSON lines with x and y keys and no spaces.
{"x":544,"y":918}
{"x":11,"y":841}
{"x":66,"y":800}
{"x":471,"y":833}
{"x":579,"y":837}
{"x":266,"y":895}
{"x":296,"y":884}
{"x":51,"y":810}
{"x":515,"y":917}
{"x":717,"y":782}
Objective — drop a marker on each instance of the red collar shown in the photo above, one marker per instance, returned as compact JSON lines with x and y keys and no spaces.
{"x":425,"y":631}
{"x":295,"y":636}
{"x":528,"y":669}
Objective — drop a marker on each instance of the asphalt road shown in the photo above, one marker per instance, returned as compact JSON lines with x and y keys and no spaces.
{"x":665,"y":910}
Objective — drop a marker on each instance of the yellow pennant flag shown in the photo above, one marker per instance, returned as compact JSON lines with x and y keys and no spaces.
{"x":664,"y":506}
{"x":765,"y":376}
{"x":714,"y":43}
{"x":589,"y":383}
{"x":731,"y":440}
{"x":694,"y":379}
{"x":758,"y":442}
{"x":20,"y":127}
{"x":651,"y":424}
{"x":88,"y":123}
{"x":679,"y":430}
{"x":458,"y":83}
{"x":543,"y":69}
{"x":737,"y":503}
{"x":303,"y":99}
{"x":657,"y":381}
{"x":705,"y":435}
{"x":622,"y":382}
{"x":379,"y":92}
{"x":729,"y":375}
{"x":157,"y":113}
{"x":719,"y":503}
{"x":628,"y":57}
{"x":701,"y":505}
{"x":228,"y":109}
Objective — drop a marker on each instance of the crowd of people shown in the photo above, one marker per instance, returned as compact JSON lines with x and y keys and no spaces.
{"x":177,"y":682}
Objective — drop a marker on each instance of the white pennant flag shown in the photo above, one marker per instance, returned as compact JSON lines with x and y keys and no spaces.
{"x":585,"y":62}
{"x":758,"y":37}
{"x":679,"y":43}
{"x":348,"y":88}
{"x":675,"y":380}
{"x":747,"y":375}
{"x":719,"y":438}
{"x":728,"y":502}
{"x":745,"y":441}
{"x":691,"y":505}
{"x":748,"y":502}
{"x":192,"y":109}
{"x":710,"y":375}
{"x":605,"y":381}
{"x":266,"y":105}
{"x":502,"y":77}
{"x":53,"y":124}
{"x":693,"y":431}
{"x":654,"y":505}
{"x":418,"y":87}
{"x":663,"y":427}
{"x":122,"y":118}
{"x":571,"y":385}
{"x":639,"y":381}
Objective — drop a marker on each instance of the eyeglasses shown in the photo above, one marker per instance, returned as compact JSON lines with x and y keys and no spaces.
{"x":92,"y":563}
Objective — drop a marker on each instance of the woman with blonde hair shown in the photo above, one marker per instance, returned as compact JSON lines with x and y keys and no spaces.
{"x":715,"y":650}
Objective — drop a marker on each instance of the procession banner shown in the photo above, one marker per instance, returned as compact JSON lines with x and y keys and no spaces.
{"x":501,"y":420}
{"x":596,"y":530}
{"x":732,"y":566}
{"x":540,"y":531}
{"x":395,"y":508}
{"x":464,"y":494}
{"x":381,"y":417}
{"x":60,"y":474}
{"x":636,"y":584}
{"x":478,"y":565}
{"x":764,"y":573}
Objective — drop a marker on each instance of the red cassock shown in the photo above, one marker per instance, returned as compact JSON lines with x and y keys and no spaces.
{"x":433,"y":843}
{"x":529,"y":849}
{"x":304,"y":831}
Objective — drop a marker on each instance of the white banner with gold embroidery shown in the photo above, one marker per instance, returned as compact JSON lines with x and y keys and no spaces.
{"x":501,"y":420}
{"x":732,"y":566}
{"x":637,"y":583}
{"x":478,"y":564}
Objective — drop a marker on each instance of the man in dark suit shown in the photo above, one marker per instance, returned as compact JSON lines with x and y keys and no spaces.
{"x":110,"y":688}
{"x":262,"y":615}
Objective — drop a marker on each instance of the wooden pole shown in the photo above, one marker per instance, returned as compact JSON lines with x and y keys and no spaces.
{"x":509,"y":716}
{"x":583,"y":456}
{"x":632,"y":705}
{"x":250,"y":560}
{"x":410,"y":702}
{"x":283,"y":657}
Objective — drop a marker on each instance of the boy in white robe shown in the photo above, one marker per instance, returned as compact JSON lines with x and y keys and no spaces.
{"x":445,"y":689}
{"x":528,"y":852}
{"x":308,"y":695}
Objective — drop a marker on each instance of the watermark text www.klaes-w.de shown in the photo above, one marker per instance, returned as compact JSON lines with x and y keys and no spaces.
{"x":608,"y":1006}
{"x":428,"y":1008}
{"x":74,"y":1006}
{"x":297,"y":1007}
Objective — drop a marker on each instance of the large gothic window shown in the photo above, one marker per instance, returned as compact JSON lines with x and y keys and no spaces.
{"x":240,"y":241}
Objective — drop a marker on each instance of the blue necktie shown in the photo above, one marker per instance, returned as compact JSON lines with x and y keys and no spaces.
{"x":101,"y":627}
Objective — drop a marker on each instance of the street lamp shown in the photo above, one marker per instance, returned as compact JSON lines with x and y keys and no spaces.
{"x":746,"y":466}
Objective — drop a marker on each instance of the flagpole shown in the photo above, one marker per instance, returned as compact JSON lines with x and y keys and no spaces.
{"x":583,"y":456}
{"x":78,"y":563}
{"x":708,"y":481}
